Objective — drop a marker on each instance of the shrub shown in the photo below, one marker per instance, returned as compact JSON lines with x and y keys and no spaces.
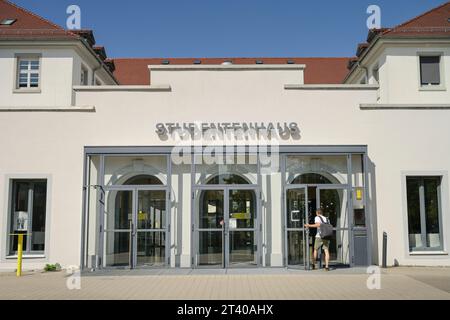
{"x":52,"y":267}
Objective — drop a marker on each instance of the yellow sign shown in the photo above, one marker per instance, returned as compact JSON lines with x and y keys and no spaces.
{"x":142,"y":216}
{"x":241,"y":215}
{"x":359,"y":194}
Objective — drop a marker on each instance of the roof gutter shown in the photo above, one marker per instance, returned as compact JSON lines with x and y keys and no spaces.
{"x":358,"y":63}
{"x":101,"y":63}
{"x":93,"y":73}
{"x":384,"y":36}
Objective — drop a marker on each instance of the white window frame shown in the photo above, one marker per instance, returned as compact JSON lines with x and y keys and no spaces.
{"x":5,"y":244}
{"x":28,"y":72}
{"x":442,"y":85}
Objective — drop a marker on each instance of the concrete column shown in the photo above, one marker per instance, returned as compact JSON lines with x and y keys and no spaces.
{"x":276,"y":257}
{"x":186,"y":200}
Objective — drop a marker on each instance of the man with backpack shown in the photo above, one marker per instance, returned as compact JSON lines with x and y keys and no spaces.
{"x":323,"y":236}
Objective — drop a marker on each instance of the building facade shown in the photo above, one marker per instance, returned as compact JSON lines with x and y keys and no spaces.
{"x":196,"y":163}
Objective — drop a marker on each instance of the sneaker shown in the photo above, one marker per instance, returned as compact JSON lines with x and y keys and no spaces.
{"x":327,"y":269}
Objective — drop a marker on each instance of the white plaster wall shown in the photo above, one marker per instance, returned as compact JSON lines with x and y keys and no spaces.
{"x":56,"y":78}
{"x":400,"y":76}
{"x":229,"y":81}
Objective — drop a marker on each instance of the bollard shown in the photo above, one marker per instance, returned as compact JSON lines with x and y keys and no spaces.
{"x":384,"y":264}
{"x":19,"y":254}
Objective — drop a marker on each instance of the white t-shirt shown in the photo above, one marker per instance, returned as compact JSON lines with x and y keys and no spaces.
{"x":317,"y":220}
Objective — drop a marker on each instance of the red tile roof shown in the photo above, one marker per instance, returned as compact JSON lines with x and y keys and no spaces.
{"x":29,"y":25}
{"x":434,"y":22}
{"x":318,"y":70}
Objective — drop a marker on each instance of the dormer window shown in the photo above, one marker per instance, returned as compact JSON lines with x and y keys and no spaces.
{"x":7,"y":22}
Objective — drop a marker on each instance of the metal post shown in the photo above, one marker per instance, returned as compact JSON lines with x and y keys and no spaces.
{"x":384,"y":265}
{"x":19,"y":255}
{"x":304,"y":244}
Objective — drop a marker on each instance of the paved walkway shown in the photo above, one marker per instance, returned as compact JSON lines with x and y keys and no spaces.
{"x":246,"y":284}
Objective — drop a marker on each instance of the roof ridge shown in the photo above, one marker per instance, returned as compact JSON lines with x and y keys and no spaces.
{"x":144,"y":58}
{"x":33,"y":14}
{"x":417,"y":17}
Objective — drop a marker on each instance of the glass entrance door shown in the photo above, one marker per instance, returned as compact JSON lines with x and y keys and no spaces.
{"x":151,"y":224}
{"x":226,"y":228}
{"x":210,"y":228}
{"x":119,"y":228}
{"x":334,"y":203}
{"x":136,"y":228}
{"x":296,"y":236}
{"x":241,"y":228}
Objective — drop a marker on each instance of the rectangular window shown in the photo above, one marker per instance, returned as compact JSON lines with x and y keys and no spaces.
{"x":28,"y":215}
{"x":28,"y":73}
{"x":424,"y":212}
{"x":430,"y":73}
{"x":84,"y":76}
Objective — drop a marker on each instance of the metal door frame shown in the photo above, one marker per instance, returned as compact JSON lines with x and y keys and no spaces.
{"x":347,"y":188}
{"x":225,"y":230}
{"x":133,"y":228}
{"x":105,"y":229}
{"x":305,"y":231}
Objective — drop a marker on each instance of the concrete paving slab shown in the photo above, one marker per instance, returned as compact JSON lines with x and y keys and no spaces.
{"x":205,"y":284}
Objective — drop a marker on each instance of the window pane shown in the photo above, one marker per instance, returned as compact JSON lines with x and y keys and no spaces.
{"x":432,"y":211}
{"x":39,"y":213}
{"x":21,"y":196}
{"x":413,"y":199}
{"x":34,"y":65}
{"x":23,"y":65}
{"x":151,"y":209}
{"x":242,"y":207}
{"x":316,"y":169}
{"x":23,"y":80}
{"x":429,"y":68}
{"x":151,"y":248}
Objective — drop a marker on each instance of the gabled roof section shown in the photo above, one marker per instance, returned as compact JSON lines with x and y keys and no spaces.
{"x":28,"y":25}
{"x":317,"y":71}
{"x":25,"y":19}
{"x":431,"y":23}
{"x":434,"y":23}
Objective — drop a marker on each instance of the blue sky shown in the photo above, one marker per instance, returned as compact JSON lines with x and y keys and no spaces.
{"x":229,"y":28}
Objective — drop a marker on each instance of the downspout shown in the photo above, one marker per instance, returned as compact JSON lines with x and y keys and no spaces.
{"x":93,"y":73}
{"x":365,"y":69}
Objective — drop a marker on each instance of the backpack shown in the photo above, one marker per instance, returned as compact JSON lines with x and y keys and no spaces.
{"x":326,"y":229}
